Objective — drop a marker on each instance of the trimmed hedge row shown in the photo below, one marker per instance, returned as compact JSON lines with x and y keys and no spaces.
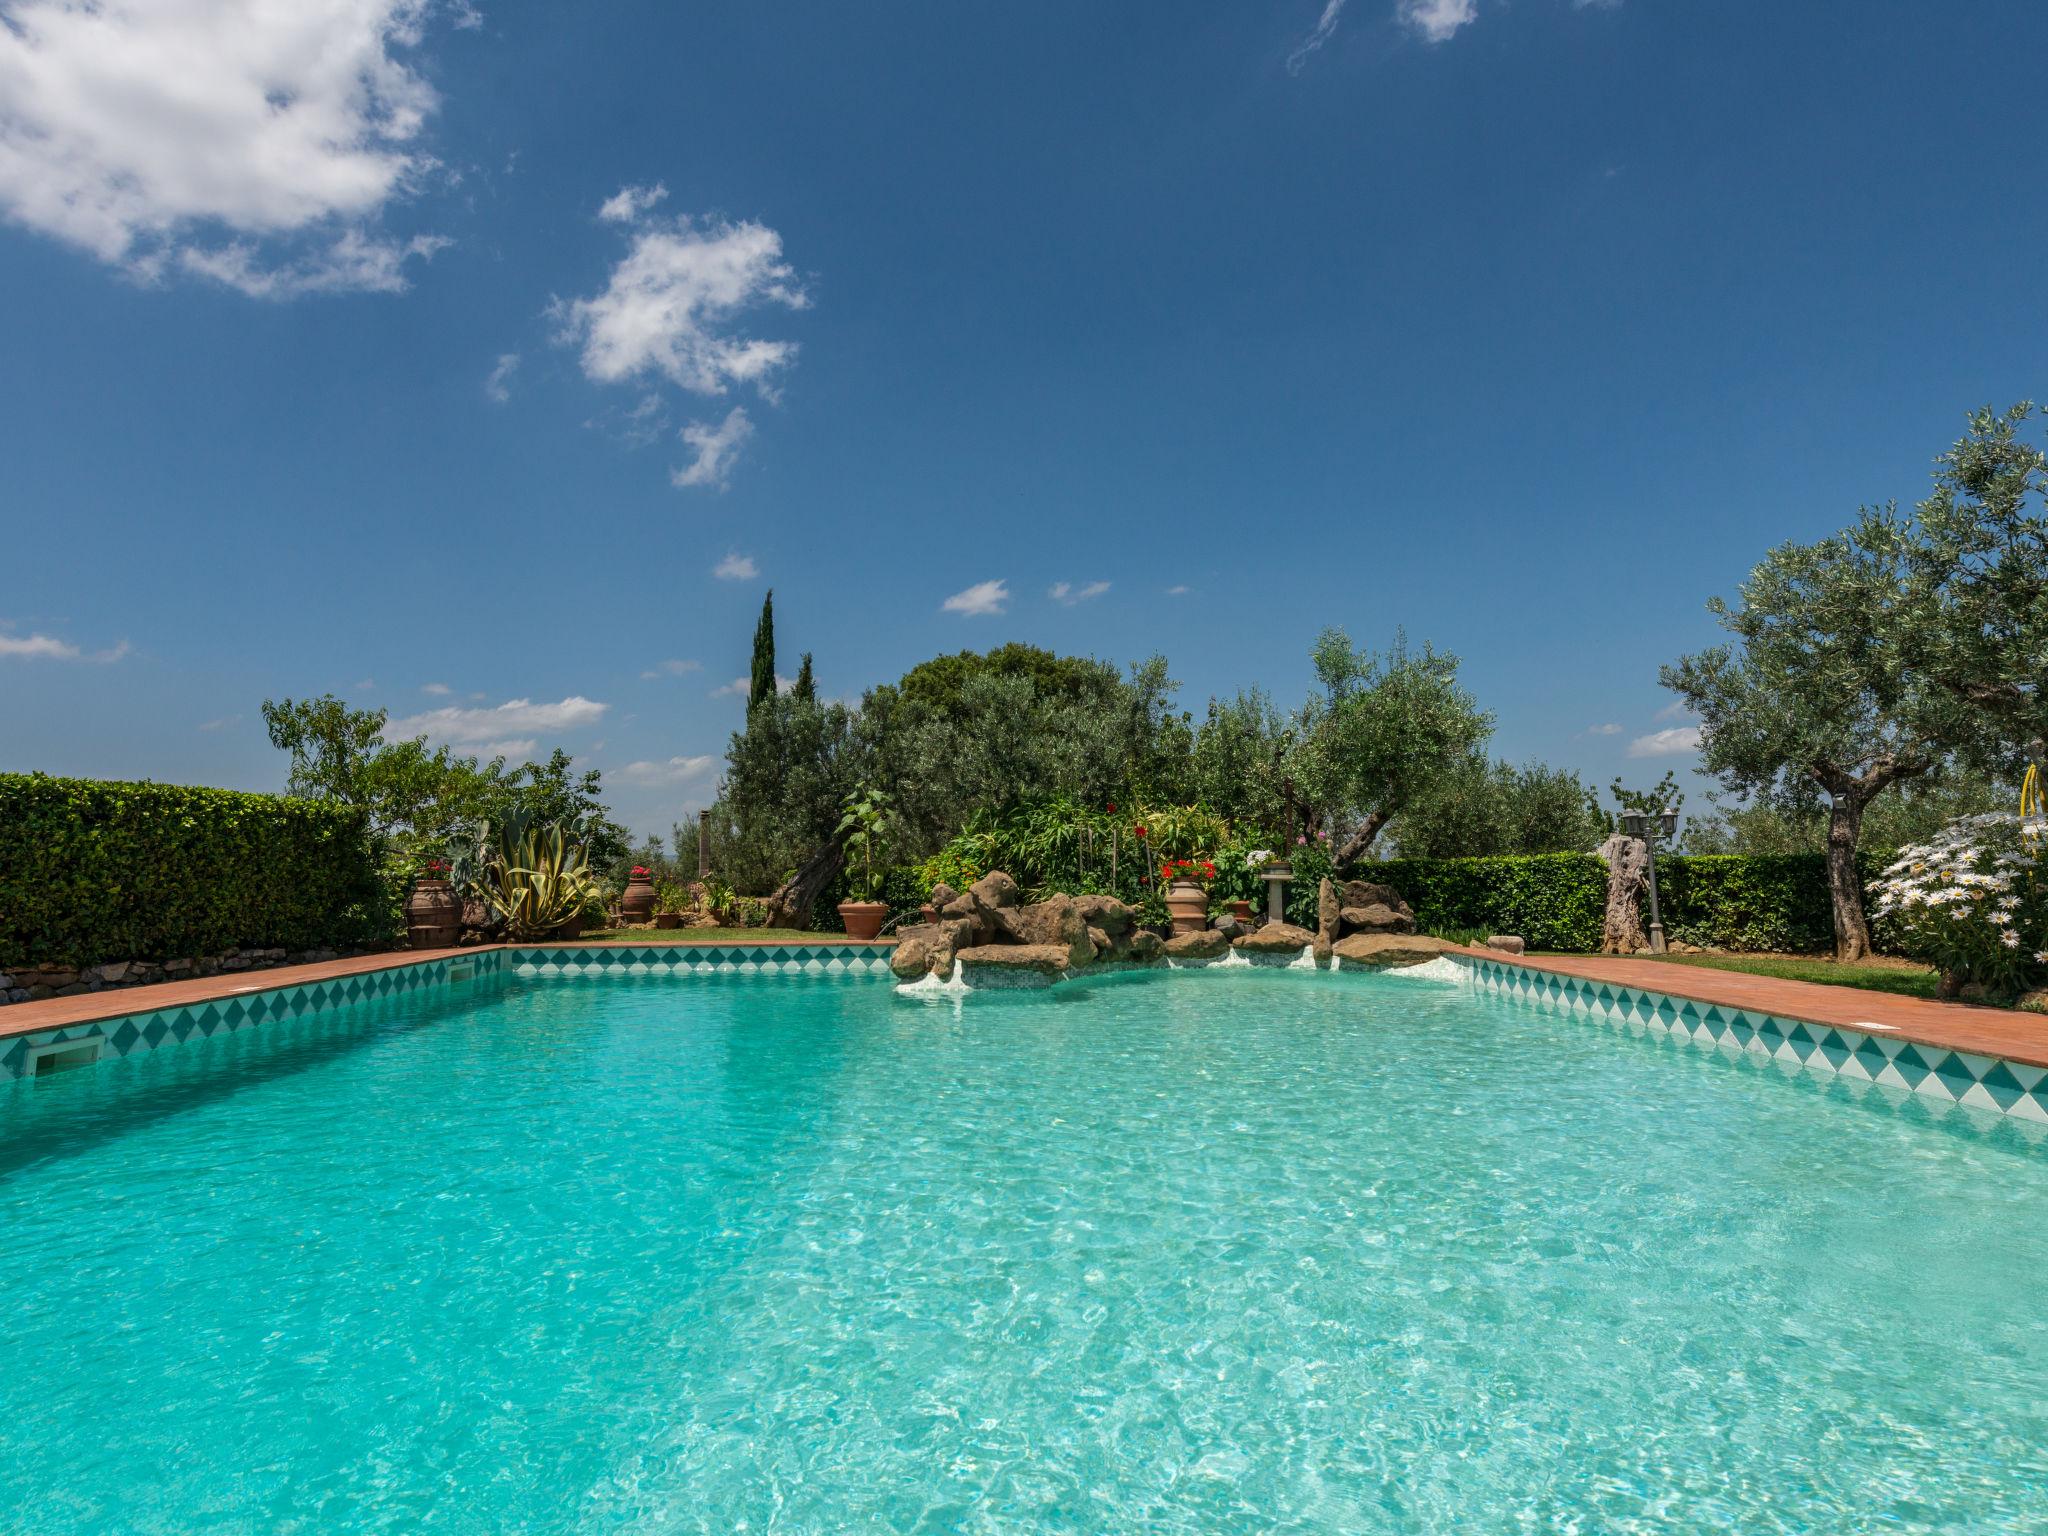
{"x":93,"y":871}
{"x":1557,"y":901}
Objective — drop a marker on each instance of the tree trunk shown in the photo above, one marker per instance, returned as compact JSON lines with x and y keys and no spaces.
{"x":1358,"y":842}
{"x":1845,"y":890}
{"x":1628,"y":876}
{"x":791,"y":905}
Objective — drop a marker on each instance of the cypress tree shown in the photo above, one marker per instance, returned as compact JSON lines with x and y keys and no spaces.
{"x":806,"y":685}
{"x":764,"y":655}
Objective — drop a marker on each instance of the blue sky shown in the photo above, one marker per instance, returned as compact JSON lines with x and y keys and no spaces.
{"x":485,"y":362}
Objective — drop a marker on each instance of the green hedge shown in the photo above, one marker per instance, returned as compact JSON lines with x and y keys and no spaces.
{"x":94,"y":871}
{"x":1557,"y":901}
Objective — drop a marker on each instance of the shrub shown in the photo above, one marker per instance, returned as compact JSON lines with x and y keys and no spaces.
{"x":1971,"y":901}
{"x":1553,"y":900}
{"x":93,"y":871}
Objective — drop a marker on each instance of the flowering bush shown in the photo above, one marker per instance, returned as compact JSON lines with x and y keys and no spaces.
{"x":1971,"y":901}
{"x":1194,"y":871}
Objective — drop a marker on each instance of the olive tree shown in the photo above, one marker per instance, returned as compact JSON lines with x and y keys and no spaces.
{"x":1820,"y":690}
{"x":1384,"y":729}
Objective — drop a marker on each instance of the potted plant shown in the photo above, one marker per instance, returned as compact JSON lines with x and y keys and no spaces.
{"x":1186,"y":883}
{"x":670,"y":902}
{"x":637,"y":904}
{"x":860,"y":831}
{"x":433,"y":913}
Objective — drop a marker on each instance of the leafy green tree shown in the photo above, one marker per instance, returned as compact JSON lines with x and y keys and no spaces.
{"x":1242,"y":766}
{"x":762,"y":687}
{"x":1384,"y":728}
{"x":1485,"y":807}
{"x":554,"y":792}
{"x":970,"y":733}
{"x":1822,"y":690}
{"x":787,"y":777}
{"x":1979,"y":565}
{"x":411,"y":791}
{"x":1797,"y":821}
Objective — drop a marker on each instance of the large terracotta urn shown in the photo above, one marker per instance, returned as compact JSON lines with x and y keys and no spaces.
{"x":433,"y":913}
{"x":863,"y":919}
{"x":637,"y":904}
{"x":1189,"y":905}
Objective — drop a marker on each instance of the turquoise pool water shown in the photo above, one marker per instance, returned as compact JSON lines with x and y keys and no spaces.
{"x":1220,"y":1253}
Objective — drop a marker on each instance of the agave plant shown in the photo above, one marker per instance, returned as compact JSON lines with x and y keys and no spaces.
{"x":532,"y":876}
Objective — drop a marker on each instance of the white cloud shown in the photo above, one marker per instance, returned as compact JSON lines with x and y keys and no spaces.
{"x":982,"y":597}
{"x":219,"y":725}
{"x":674,"y":771}
{"x":1178,"y":591}
{"x":1675,"y":710}
{"x":40,"y":647}
{"x":247,"y":141}
{"x":628,"y":203}
{"x":520,"y":747}
{"x":492,"y":729}
{"x":439,"y":690}
{"x":673,"y":669}
{"x":736,"y":568}
{"x":667,"y":308}
{"x":1326,"y":24}
{"x":1678,"y":741}
{"x":1438,"y":20}
{"x":499,"y":385}
{"x":1606,"y":728}
{"x":717,"y":449}
{"x":1066,"y":592}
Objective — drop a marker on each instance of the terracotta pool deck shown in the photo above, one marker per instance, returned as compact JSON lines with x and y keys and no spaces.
{"x":1997,"y":1032}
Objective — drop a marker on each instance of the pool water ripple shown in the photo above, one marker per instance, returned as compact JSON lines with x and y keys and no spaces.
{"x":1245,"y":1252}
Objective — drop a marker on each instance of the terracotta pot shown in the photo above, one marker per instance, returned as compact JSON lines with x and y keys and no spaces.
{"x":1241,"y":910}
{"x":433,"y":914}
{"x":637,"y":905}
{"x":571,"y":929}
{"x":927,"y":913}
{"x":668,"y":919}
{"x":863,"y":919}
{"x":1189,"y":904}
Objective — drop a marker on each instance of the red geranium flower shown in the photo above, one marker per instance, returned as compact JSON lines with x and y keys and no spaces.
{"x":1112,"y":807}
{"x":639,"y":869}
{"x":1140,"y":831}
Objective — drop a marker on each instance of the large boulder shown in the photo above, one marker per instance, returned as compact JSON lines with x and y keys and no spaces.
{"x":1276,"y":938}
{"x":1113,"y":917}
{"x":1056,"y":920}
{"x":1370,"y":893}
{"x":1014,"y":963}
{"x":1381,"y":951}
{"x":1377,"y":918}
{"x":997,"y":890}
{"x":1329,"y":911}
{"x":943,"y":893}
{"x":1202,"y":944}
{"x":912,"y":956}
{"x":1147,"y":946}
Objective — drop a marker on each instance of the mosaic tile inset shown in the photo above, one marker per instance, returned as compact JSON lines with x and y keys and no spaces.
{"x":1941,"y":1075}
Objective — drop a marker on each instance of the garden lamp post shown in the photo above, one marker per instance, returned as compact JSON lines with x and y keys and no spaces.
{"x":1647,"y":827}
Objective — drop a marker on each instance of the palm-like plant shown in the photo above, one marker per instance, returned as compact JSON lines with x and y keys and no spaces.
{"x":532,"y":876}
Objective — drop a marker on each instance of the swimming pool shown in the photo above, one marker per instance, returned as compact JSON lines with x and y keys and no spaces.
{"x":1231,"y":1252}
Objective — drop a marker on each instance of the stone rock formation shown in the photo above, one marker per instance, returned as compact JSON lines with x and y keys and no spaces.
{"x":1380,"y":951}
{"x":1203,"y":944}
{"x":1276,"y":938}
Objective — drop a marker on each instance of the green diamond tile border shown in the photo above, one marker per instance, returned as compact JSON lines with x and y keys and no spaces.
{"x":847,"y":960}
{"x":128,"y":1034}
{"x":1940,"y":1078}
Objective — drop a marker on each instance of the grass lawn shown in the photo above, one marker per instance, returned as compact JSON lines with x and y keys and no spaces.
{"x":1878,"y":975}
{"x":709,"y":936}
